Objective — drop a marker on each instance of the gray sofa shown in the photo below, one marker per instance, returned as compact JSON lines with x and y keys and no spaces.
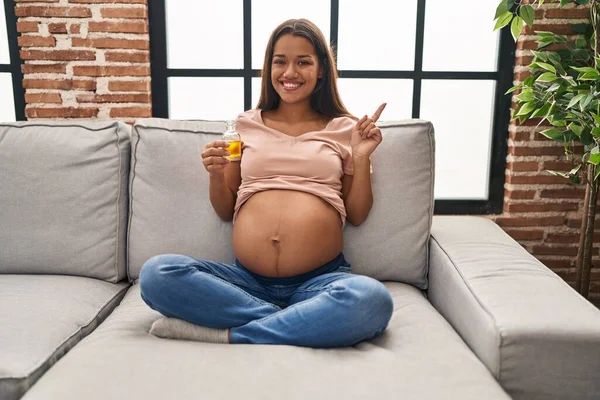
{"x":83,"y":204}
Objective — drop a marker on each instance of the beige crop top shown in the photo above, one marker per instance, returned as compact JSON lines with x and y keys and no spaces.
{"x":313,"y":162}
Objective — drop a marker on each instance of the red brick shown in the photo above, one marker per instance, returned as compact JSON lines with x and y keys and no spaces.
{"x":553,"y":263}
{"x":124,"y":13}
{"x":540,"y":207}
{"x":62,"y":84}
{"x":42,"y":98}
{"x":75,"y":28}
{"x":41,"y":11}
{"x":568,"y":13}
{"x":44,"y":68}
{"x":528,"y":44}
{"x":555,"y":250}
{"x":524,"y":60}
{"x":36,"y":1}
{"x":520,"y":136}
{"x":557,"y":165}
{"x":119,"y":27}
{"x":523,"y":166}
{"x":108,"y":1}
{"x":537,"y":180}
{"x":129,"y":86}
{"x":561,"y":29}
{"x":514,"y":221}
{"x":84,"y":84}
{"x":520,"y":194}
{"x":62,"y":55}
{"x":527,"y":234}
{"x":137,"y":57}
{"x":107,"y":43}
{"x":28,"y":26}
{"x":61,"y":112}
{"x":536,"y":151}
{"x":535,"y":122}
{"x":133,"y":112}
{"x":568,"y":238}
{"x":36,"y":41}
{"x":576,"y":223}
{"x":563,"y":194}
{"x":91,"y":70}
{"x":115,"y":98}
{"x":57,"y":28}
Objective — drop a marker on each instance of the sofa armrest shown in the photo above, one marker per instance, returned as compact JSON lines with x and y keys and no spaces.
{"x":536,"y":335}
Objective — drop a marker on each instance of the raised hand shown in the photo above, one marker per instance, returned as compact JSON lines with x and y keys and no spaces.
{"x":366,"y":136}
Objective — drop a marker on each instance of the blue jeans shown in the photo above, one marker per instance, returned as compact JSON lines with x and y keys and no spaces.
{"x":326,"y":307}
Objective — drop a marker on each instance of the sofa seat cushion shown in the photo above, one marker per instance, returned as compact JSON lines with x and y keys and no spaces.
{"x":41,"y":318}
{"x":419,"y":356}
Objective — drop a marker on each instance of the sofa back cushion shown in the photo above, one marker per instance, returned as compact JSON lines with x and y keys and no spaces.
{"x":171,"y":210}
{"x":63,"y":198}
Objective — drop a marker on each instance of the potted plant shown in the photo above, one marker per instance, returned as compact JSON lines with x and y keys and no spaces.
{"x":563,"y":89}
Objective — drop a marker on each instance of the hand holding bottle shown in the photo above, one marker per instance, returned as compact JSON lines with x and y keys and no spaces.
{"x":214,"y":157}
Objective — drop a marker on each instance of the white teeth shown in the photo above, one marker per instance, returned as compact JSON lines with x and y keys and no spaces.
{"x":291,"y":85}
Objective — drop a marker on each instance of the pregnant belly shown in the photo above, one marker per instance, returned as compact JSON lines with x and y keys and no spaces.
{"x":281,"y":233}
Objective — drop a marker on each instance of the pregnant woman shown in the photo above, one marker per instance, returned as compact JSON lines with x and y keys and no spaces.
{"x":304,"y":172}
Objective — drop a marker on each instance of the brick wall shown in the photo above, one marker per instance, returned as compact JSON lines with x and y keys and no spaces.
{"x":541,"y":211}
{"x":85,"y":58}
{"x":90,"y":59}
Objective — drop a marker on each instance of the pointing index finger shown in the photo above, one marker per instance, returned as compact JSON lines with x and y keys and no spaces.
{"x":378,"y":112}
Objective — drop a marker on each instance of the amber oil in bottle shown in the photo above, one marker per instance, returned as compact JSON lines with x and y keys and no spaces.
{"x":234,"y":140}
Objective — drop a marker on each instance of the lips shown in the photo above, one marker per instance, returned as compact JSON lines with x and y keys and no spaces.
{"x":290,"y":86}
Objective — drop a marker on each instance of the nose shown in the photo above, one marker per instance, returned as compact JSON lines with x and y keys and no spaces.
{"x":290,"y":71}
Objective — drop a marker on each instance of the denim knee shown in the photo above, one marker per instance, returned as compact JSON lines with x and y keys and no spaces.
{"x":372,"y":303}
{"x":151,"y":279}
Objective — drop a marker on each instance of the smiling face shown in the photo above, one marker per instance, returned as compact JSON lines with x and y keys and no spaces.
{"x":295,"y":69}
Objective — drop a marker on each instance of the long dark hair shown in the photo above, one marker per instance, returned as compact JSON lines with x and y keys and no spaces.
{"x":325,"y":99}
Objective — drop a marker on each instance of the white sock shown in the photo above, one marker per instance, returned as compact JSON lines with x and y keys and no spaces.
{"x":174,"y":328}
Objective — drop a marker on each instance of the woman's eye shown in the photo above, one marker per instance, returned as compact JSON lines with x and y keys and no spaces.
{"x":303,"y":62}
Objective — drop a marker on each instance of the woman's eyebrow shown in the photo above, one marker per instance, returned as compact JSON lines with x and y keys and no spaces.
{"x":283,"y":55}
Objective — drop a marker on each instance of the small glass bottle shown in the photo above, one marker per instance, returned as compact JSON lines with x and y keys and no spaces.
{"x":234,"y":140}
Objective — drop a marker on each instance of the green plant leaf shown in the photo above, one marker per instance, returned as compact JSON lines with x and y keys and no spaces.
{"x":596,"y":131}
{"x":586,"y":137}
{"x":577,"y":129}
{"x":589,"y":76}
{"x":541,"y":112}
{"x":501,"y":9}
{"x":594,"y":159}
{"x":546,"y":66}
{"x":564,"y":2}
{"x":547,"y":77}
{"x":526,"y":95}
{"x":527,"y":13}
{"x":553,"y":134}
{"x":582,"y":2}
{"x":554,"y":87}
{"x":503,"y":20}
{"x":516,"y":26}
{"x":581,"y":28}
{"x":538,"y":55}
{"x":554,"y":57}
{"x":512,"y":89}
{"x":581,"y":43}
{"x":575,"y":100}
{"x":528,"y":82}
{"x":585,"y":70}
{"x":596,"y":118}
{"x":585,"y":102}
{"x":526,"y":108}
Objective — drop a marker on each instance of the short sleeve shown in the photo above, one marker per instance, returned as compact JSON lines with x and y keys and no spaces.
{"x":347,"y":164}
